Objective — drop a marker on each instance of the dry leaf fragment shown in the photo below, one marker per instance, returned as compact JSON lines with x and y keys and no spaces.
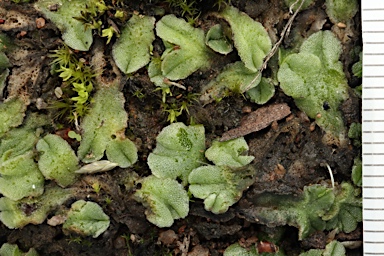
{"x":257,"y":120}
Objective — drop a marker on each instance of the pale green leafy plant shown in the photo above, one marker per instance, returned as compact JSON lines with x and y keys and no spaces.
{"x":345,"y":213}
{"x":21,"y":177}
{"x":341,"y":10}
{"x":263,"y":92}
{"x":75,"y":34}
{"x":32,"y":210}
{"x":179,"y":153}
{"x":122,"y":151}
{"x":132,"y":50}
{"x":253,"y":44}
{"x":103,"y":130}
{"x":229,"y":153}
{"x":333,"y":248}
{"x":156,"y":76}
{"x":86,"y":218}
{"x":13,"y":250}
{"x":237,"y":250}
{"x":11,"y":114}
{"x":221,"y":185}
{"x":249,"y":36}
{"x":234,"y":78}
{"x":357,"y":170}
{"x":179,"y":150}
{"x":303,"y":212}
{"x":186,"y":50}
{"x":317,"y":209}
{"x":217,"y":40}
{"x":314,"y":77}
{"x":57,"y":160}
{"x":22,"y":139}
{"x":165,"y":200}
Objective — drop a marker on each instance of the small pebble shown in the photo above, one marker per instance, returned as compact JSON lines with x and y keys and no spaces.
{"x":312,"y":127}
{"x":168,"y":237}
{"x":58,"y":92}
{"x":274,"y":125}
{"x":341,"y":25}
{"x":56,"y":220}
{"x":40,"y":22}
{"x":289,"y":118}
{"x":199,"y":250}
{"x":41,"y":104}
{"x":119,"y":243}
{"x":246,"y":109}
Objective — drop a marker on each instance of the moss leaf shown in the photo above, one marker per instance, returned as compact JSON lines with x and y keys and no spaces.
{"x":357,"y":172}
{"x":188,"y":51}
{"x":13,"y":215}
{"x":229,"y":153}
{"x":22,"y":139}
{"x":20,"y":177}
{"x":122,"y":151}
{"x":155,"y":74}
{"x":11,"y":114}
{"x":75,"y":34}
{"x":249,"y":36}
{"x":234,"y":78}
{"x":346,"y":211}
{"x":219,"y":186}
{"x":165,"y":199}
{"x":236,"y":249}
{"x":333,"y":248}
{"x":13,"y":250}
{"x":217,"y":40}
{"x":86,"y":218}
{"x":179,"y":150}
{"x":314,"y":77}
{"x":263,"y":92}
{"x":132,"y":50}
{"x":303,"y":212}
{"x":341,"y":10}
{"x":57,"y":161}
{"x":4,"y":61}
{"x":105,"y":121}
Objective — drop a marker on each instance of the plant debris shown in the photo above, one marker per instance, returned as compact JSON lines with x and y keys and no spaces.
{"x":257,"y":120}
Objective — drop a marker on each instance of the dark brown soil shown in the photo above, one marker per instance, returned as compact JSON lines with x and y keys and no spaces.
{"x":288,"y":155}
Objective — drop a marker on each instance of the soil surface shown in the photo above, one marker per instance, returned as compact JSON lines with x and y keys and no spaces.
{"x":289,"y":154}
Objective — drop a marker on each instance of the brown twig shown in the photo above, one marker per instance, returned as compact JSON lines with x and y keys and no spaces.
{"x":284,"y":33}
